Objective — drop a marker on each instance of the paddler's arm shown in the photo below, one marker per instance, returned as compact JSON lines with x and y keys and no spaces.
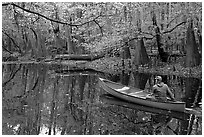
{"x":154,"y":89}
{"x":170,"y":94}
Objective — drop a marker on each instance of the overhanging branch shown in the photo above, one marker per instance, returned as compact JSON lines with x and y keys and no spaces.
{"x":57,"y":21}
{"x":174,"y":28}
{"x":174,"y":19}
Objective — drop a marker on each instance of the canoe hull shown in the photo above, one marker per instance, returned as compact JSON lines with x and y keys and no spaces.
{"x":174,"y":106}
{"x":109,"y":99}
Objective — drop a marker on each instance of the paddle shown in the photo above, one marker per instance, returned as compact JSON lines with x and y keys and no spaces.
{"x":194,"y":111}
{"x":122,"y":89}
{"x":140,"y":94}
{"x":134,"y":93}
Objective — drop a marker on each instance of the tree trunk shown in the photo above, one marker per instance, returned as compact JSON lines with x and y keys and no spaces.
{"x":183,"y":124}
{"x":33,"y":39}
{"x":108,"y":21}
{"x":162,"y":54}
{"x":126,"y":52}
{"x":168,"y":12}
{"x":141,"y":56}
{"x":24,"y":40}
{"x":125,"y":12}
{"x":182,"y":48}
{"x":200,"y":41}
{"x":82,"y":82}
{"x":191,"y":89}
{"x":162,"y":16}
{"x":125,"y":78}
{"x":140,"y":79}
{"x":199,"y":37}
{"x":70,"y":44}
{"x":192,"y":55}
{"x":40,"y":43}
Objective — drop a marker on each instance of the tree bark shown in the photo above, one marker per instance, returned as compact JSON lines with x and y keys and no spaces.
{"x":40,"y":44}
{"x":192,"y":54}
{"x":125,"y":78}
{"x":162,"y":54}
{"x":191,"y":89}
{"x":141,"y":56}
{"x":140,"y":80}
{"x":69,"y":43}
{"x":82,"y":82}
{"x":126,"y":52}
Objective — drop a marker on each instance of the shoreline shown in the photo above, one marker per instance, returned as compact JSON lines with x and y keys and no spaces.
{"x":115,"y":65}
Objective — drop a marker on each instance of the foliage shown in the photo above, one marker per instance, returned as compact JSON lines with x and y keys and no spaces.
{"x":35,"y":27}
{"x":114,"y":66}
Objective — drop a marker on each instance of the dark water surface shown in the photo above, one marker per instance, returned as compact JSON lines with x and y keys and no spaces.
{"x":37,"y":100}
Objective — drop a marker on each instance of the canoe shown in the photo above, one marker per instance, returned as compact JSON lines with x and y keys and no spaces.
{"x":138,"y":96}
{"x":111,"y":100}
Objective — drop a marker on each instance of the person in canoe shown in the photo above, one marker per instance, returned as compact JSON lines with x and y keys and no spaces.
{"x":161,"y":91}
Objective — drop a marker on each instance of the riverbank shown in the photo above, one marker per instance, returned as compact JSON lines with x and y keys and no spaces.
{"x":115,"y":65}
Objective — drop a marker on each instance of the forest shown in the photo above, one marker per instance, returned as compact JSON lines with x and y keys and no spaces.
{"x":53,"y":54}
{"x":112,"y":35}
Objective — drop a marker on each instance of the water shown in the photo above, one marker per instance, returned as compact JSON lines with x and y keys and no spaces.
{"x":37,"y":101}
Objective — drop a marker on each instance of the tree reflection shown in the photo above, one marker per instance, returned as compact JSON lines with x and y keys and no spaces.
{"x":37,"y":101}
{"x":192,"y":92}
{"x":160,"y":123}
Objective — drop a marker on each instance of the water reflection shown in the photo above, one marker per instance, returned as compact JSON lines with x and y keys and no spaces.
{"x":36,"y":100}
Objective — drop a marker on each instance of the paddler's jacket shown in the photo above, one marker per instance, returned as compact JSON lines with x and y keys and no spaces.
{"x":161,"y":91}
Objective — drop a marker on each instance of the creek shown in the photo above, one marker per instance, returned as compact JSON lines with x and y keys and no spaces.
{"x":38,"y":100}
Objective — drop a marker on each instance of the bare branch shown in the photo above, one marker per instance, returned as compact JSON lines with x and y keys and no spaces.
{"x":7,"y":50}
{"x":4,"y":83}
{"x":174,"y":28}
{"x":99,"y":27}
{"x":6,"y":4}
{"x":174,"y":19}
{"x":12,"y":41}
{"x":57,"y":21}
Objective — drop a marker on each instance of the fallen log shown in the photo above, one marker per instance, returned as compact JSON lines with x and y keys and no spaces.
{"x":88,"y":57}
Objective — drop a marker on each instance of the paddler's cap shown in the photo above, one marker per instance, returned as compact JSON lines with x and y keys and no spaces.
{"x":159,"y":78}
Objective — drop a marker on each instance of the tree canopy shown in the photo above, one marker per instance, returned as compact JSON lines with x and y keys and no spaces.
{"x":35,"y":29}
